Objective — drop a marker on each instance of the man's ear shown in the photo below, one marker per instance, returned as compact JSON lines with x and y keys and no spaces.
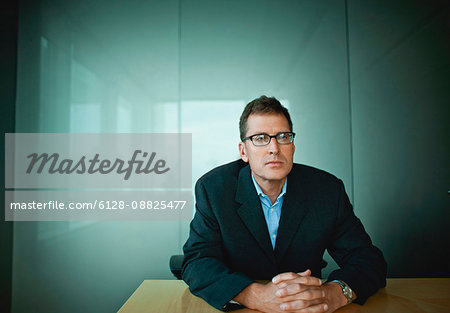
{"x":243,"y":152}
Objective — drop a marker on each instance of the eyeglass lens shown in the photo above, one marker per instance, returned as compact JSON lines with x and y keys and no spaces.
{"x":264,"y":139}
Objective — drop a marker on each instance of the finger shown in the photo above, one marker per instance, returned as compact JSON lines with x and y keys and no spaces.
{"x":307,"y":281}
{"x":312,"y":294}
{"x":284,"y":276}
{"x":311,"y":306}
{"x":290,"y":275}
{"x":319,"y":308}
{"x":305,"y":273}
{"x":300,"y":291}
{"x":285,"y":283}
{"x":290,"y":290}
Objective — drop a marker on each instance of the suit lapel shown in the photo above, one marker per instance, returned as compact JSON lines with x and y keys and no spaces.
{"x":292,"y":212}
{"x":251,"y":212}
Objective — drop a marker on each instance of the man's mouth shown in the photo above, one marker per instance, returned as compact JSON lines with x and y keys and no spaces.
{"x":275,"y":162}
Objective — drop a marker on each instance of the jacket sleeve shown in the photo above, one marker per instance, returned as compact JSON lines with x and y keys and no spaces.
{"x":362,"y":265}
{"x":203,"y":267}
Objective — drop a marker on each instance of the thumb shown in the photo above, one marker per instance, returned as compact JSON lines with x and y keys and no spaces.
{"x":305,"y":273}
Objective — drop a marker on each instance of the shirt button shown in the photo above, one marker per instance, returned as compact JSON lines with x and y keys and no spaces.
{"x":274,"y":236}
{"x":271,"y":210}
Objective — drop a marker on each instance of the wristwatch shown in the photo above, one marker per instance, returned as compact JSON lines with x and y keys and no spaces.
{"x":346,"y":290}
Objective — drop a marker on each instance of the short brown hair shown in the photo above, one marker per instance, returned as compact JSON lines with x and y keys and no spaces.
{"x":262,"y":105}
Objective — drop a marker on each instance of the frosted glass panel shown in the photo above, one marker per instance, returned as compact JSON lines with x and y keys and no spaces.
{"x":296,"y":52}
{"x":400,"y":63}
{"x":214,"y":126}
{"x":94,"y":67}
{"x":165,"y":66}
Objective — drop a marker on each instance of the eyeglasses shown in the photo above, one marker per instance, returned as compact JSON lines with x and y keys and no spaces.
{"x":282,"y":138}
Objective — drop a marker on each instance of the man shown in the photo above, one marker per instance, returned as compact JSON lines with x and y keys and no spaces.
{"x":265,"y":218}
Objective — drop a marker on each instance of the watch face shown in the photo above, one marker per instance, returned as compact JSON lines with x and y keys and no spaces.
{"x":346,"y":290}
{"x":348,"y":293}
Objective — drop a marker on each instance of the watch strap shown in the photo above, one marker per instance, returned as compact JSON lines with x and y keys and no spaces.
{"x":346,"y":290}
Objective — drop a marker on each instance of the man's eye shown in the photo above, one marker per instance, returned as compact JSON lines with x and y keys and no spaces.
{"x":282,"y":135}
{"x":259,"y":138}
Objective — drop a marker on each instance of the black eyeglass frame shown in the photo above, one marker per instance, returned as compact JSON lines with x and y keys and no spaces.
{"x":270,"y":138}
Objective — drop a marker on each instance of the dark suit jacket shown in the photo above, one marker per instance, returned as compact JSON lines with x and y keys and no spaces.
{"x":229,"y":245}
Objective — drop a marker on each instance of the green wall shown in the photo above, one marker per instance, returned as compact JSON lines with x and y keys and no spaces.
{"x":366,"y":84}
{"x":400,"y":66}
{"x":8,"y":63}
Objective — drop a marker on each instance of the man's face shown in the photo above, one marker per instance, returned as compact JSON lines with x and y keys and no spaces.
{"x":272,"y":162}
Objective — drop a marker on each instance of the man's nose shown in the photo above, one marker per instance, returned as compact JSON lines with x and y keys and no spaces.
{"x":273,"y":146}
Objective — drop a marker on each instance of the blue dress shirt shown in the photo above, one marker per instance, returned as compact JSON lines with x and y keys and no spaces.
{"x":272,"y":212}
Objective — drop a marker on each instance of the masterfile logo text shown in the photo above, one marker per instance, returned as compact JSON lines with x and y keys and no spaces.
{"x":98,"y":160}
{"x":85,"y":177}
{"x":95,"y":164}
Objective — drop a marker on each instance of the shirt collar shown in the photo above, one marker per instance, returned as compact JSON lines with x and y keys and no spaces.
{"x":262,"y":194}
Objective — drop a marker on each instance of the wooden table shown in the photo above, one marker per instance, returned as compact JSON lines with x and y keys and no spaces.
{"x":411,"y":295}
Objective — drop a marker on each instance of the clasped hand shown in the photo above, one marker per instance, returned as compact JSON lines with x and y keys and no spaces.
{"x":293,"y":292}
{"x":300,"y":292}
